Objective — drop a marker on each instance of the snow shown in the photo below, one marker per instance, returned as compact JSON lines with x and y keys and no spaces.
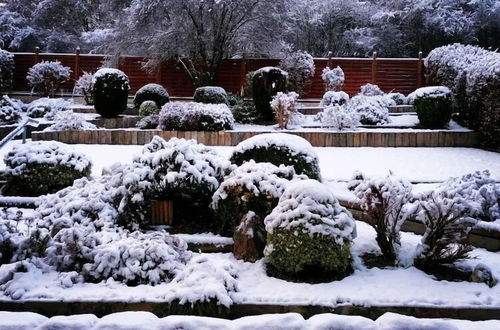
{"x":192,"y":116}
{"x":109,"y":71}
{"x":333,"y":78}
{"x":334,"y":98}
{"x":267,"y":69}
{"x":68,"y":120}
{"x":339,"y":117}
{"x":429,"y":92}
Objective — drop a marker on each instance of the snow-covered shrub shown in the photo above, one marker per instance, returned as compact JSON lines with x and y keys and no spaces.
{"x":334,"y":98}
{"x":210,"y":95}
{"x":149,"y":122}
{"x":84,"y":86}
{"x":447,"y":220}
{"x":38,"y":168}
{"x":17,"y":104}
{"x":284,"y":107}
{"x":244,"y":111}
{"x":252,"y":187}
{"x":69,"y":121}
{"x":47,"y":107}
{"x":8,"y":115}
{"x":267,"y":82}
{"x":300,"y":68}
{"x":433,"y":105}
{"x":279,"y":148}
{"x":333,"y":78}
{"x":338,"y":117}
{"x":398,"y":98}
{"x":309,"y":233}
{"x":148,"y":108}
{"x":191,"y":116}
{"x":110,"y":92}
{"x":46,"y":77}
{"x":6,"y":71}
{"x":385,"y":202}
{"x":371,"y":109}
{"x":151,"y":92}
{"x":371,"y":90}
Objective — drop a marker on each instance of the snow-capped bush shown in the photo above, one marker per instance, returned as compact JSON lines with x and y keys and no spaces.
{"x":284,"y":106}
{"x":433,"y":105}
{"x":447,"y":220}
{"x":38,"y":168}
{"x":8,"y":115}
{"x":308,"y":231}
{"x":334,"y":98}
{"x":279,"y":148}
{"x":398,"y":98}
{"x":385,"y":202}
{"x":47,"y":107}
{"x":210,"y":95}
{"x":300,"y":68}
{"x":267,"y":82}
{"x":84,"y":86}
{"x":69,"y":121}
{"x":191,"y":116}
{"x":17,"y":104}
{"x":149,"y":122}
{"x":371,"y":90}
{"x":6,"y":71}
{"x":339,"y":117}
{"x":46,"y":77}
{"x":333,"y":78}
{"x":148,"y":108}
{"x":151,"y":92}
{"x":110,"y":92}
{"x":244,"y":111}
{"x":371,"y":109}
{"x":252,"y":187}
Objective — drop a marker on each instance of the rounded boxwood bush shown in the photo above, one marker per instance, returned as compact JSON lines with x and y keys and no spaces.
{"x":148,"y":108}
{"x":334,"y":98}
{"x":192,"y":116}
{"x":6,"y":71}
{"x":39,"y":168}
{"x":210,"y":95}
{"x":279,"y":148}
{"x":267,"y":82}
{"x":110,"y":92}
{"x":433,"y":106}
{"x":151,"y":92}
{"x":309,"y":234}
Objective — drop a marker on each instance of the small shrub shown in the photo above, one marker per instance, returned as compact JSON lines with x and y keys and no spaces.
{"x":333,"y":79}
{"x":47,"y":107}
{"x":433,"y":106}
{"x":148,"y":108}
{"x":46,"y":77}
{"x":278,"y":149}
{"x":267,"y":82}
{"x":210,"y":95}
{"x":244,"y":111}
{"x":371,"y":109}
{"x":248,"y":85}
{"x":149,"y":122}
{"x":338,"y":117}
{"x":398,"y":98}
{"x":69,"y":121}
{"x":151,"y":92}
{"x":8,"y":115}
{"x":284,"y":107}
{"x":309,"y":233}
{"x":300,"y":68}
{"x":7,"y":66}
{"x":84,"y":86}
{"x":38,"y":168}
{"x":371,"y":90}
{"x":190,"y":116}
{"x":334,"y":98}
{"x":110,"y":92}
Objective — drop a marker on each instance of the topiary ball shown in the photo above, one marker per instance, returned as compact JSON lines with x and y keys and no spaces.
{"x":267,"y":82}
{"x":151,"y":92}
{"x":433,"y":106}
{"x":111,"y":89}
{"x":148,"y":108}
{"x":210,"y":95}
{"x":309,"y":234}
{"x":277,"y":149}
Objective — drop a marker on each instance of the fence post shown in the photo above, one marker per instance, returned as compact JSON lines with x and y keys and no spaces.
{"x":243,"y":71}
{"x":329,"y":64}
{"x":374,"y":68}
{"x":419,"y":70}
{"x":77,"y":63}
{"x":37,"y":53}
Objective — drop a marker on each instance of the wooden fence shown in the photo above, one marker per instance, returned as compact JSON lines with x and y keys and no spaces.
{"x":401,"y":75}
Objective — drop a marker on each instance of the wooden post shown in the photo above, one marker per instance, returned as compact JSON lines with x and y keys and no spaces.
{"x":37,"y":54}
{"x":243,"y":71}
{"x":374,"y":68}
{"x":329,"y":64}
{"x":76,"y":72}
{"x":419,"y":70}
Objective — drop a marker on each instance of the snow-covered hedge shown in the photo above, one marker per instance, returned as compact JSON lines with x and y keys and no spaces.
{"x":267,"y":82}
{"x":69,"y":121}
{"x":8,"y":115}
{"x":309,"y":232}
{"x":191,"y":116}
{"x":110,"y":92}
{"x":433,"y":105}
{"x":285,"y":110}
{"x":46,"y":77}
{"x":47,"y":107}
{"x":148,"y":108}
{"x":371,"y":109}
{"x":339,"y":117}
{"x":210,"y":95}
{"x":244,"y":111}
{"x":279,"y":148}
{"x":38,"y":168}
{"x":334,"y":98}
{"x":300,"y":68}
{"x":371,"y":90}
{"x":84,"y":86}
{"x":151,"y":92}
{"x":6,"y":71}
{"x":473,"y":75}
{"x":149,"y":122}
{"x":333,"y":78}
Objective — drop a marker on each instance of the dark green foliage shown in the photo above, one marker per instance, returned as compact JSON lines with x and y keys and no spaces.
{"x":110,"y":92}
{"x":210,"y":95}
{"x":266,"y":83}
{"x":6,"y":71}
{"x":244,"y":111}
{"x":151,"y":92}
{"x":433,"y":112}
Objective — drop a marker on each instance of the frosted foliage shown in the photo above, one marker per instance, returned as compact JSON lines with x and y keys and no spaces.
{"x":333,"y":78}
{"x":371,"y":109}
{"x":195,"y":116}
{"x":429,"y":92}
{"x":50,"y":153}
{"x":101,"y":73}
{"x":310,"y":206}
{"x":334,"y":98}
{"x":300,"y":68}
{"x":371,"y":90}
{"x":69,"y":121}
{"x":284,"y":106}
{"x":84,"y":86}
{"x":45,"y":77}
{"x":50,"y":106}
{"x":339,"y":117}
{"x":155,"y":89}
{"x":8,"y":115}
{"x":6,"y":70}
{"x":398,"y":98}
